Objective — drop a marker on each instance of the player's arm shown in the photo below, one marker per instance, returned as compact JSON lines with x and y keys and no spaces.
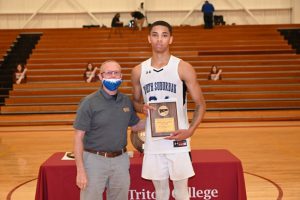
{"x":136,"y":88}
{"x":138,"y":101}
{"x":188,"y":74}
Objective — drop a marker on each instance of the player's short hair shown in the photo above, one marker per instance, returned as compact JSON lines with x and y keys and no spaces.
{"x":161,"y":23}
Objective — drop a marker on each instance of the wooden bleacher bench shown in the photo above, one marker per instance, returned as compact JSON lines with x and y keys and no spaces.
{"x":235,"y":76}
{"x":237,"y":105}
{"x":137,"y":56}
{"x":83,"y":61}
{"x":51,"y":99}
{"x":207,"y":89}
{"x":260,"y":69}
{"x":39,"y":109}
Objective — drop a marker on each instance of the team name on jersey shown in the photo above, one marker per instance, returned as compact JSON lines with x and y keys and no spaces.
{"x":159,"y":86}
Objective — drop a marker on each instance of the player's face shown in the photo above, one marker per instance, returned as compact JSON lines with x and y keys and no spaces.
{"x":160,"y":39}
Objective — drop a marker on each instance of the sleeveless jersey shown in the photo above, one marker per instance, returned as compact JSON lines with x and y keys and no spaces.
{"x":157,"y":85}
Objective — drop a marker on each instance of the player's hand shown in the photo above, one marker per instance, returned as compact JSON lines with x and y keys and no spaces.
{"x":145,"y":109}
{"x":180,"y":134}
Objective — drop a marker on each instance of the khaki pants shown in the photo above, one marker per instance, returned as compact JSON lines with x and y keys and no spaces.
{"x":109,"y":173}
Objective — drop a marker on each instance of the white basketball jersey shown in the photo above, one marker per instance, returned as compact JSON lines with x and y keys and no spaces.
{"x":158,"y":85}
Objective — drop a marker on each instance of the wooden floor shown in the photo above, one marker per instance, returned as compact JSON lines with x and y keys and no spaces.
{"x":269,"y":152}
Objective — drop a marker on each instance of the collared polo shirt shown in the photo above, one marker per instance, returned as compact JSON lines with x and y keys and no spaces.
{"x":105,"y":121}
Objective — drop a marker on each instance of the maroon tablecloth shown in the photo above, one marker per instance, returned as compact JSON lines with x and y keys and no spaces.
{"x":219,"y":176}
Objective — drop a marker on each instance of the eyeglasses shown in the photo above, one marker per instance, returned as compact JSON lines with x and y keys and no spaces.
{"x":112,"y":73}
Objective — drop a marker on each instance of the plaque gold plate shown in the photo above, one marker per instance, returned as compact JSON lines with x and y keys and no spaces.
{"x":163,"y":118}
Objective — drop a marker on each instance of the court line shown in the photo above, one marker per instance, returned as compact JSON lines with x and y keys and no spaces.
{"x":280,"y":191}
{"x":8,"y":197}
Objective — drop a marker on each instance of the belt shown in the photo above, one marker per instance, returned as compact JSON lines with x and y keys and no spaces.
{"x":107,"y":154}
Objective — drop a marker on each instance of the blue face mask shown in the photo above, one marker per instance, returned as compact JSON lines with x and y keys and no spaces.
{"x":112,"y":84}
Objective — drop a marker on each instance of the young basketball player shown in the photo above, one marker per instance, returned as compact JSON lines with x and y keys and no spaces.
{"x":164,"y":76}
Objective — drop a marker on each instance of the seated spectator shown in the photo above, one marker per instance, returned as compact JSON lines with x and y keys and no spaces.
{"x":90,"y":73}
{"x":20,"y":74}
{"x":116,"y":21}
{"x":139,"y":19}
{"x":215,"y":73}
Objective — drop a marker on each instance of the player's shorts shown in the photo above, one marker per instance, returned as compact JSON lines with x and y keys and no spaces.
{"x":176,"y":166}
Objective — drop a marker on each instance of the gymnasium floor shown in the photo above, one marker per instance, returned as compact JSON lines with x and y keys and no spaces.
{"x":269,"y":152}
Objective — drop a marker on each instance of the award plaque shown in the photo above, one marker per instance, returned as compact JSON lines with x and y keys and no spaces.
{"x":163,"y":119}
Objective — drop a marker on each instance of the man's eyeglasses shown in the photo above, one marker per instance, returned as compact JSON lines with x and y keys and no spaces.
{"x":111,"y":73}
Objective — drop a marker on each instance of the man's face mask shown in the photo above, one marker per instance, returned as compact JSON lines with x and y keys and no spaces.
{"x":112,"y":84}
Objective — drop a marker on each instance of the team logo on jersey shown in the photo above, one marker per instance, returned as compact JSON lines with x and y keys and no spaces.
{"x":152,"y":98}
{"x":148,"y":72}
{"x":181,"y":143}
{"x":163,"y":111}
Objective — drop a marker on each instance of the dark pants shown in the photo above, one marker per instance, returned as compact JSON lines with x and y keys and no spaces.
{"x":208,"y":20}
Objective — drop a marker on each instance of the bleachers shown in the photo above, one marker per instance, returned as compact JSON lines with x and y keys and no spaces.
{"x":260,"y":70}
{"x":7,"y":38}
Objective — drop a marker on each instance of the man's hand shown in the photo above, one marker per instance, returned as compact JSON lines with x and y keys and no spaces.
{"x":81,"y":180}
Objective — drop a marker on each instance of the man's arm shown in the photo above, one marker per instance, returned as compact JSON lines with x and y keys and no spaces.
{"x":81,"y":178}
{"x":189,"y":76}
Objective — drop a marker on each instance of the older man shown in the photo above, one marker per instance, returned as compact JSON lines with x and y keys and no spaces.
{"x":101,"y":137}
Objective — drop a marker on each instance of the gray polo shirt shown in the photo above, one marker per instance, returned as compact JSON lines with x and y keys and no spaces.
{"x":105,"y":121}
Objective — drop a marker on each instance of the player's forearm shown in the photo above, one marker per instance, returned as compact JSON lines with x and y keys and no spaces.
{"x":197,"y":116}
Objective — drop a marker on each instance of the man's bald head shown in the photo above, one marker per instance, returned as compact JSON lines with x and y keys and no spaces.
{"x":110,"y":65}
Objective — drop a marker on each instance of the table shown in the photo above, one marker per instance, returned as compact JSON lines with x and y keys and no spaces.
{"x":219,"y":176}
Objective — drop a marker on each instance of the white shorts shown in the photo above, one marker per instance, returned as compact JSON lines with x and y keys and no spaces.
{"x":177,"y":166}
